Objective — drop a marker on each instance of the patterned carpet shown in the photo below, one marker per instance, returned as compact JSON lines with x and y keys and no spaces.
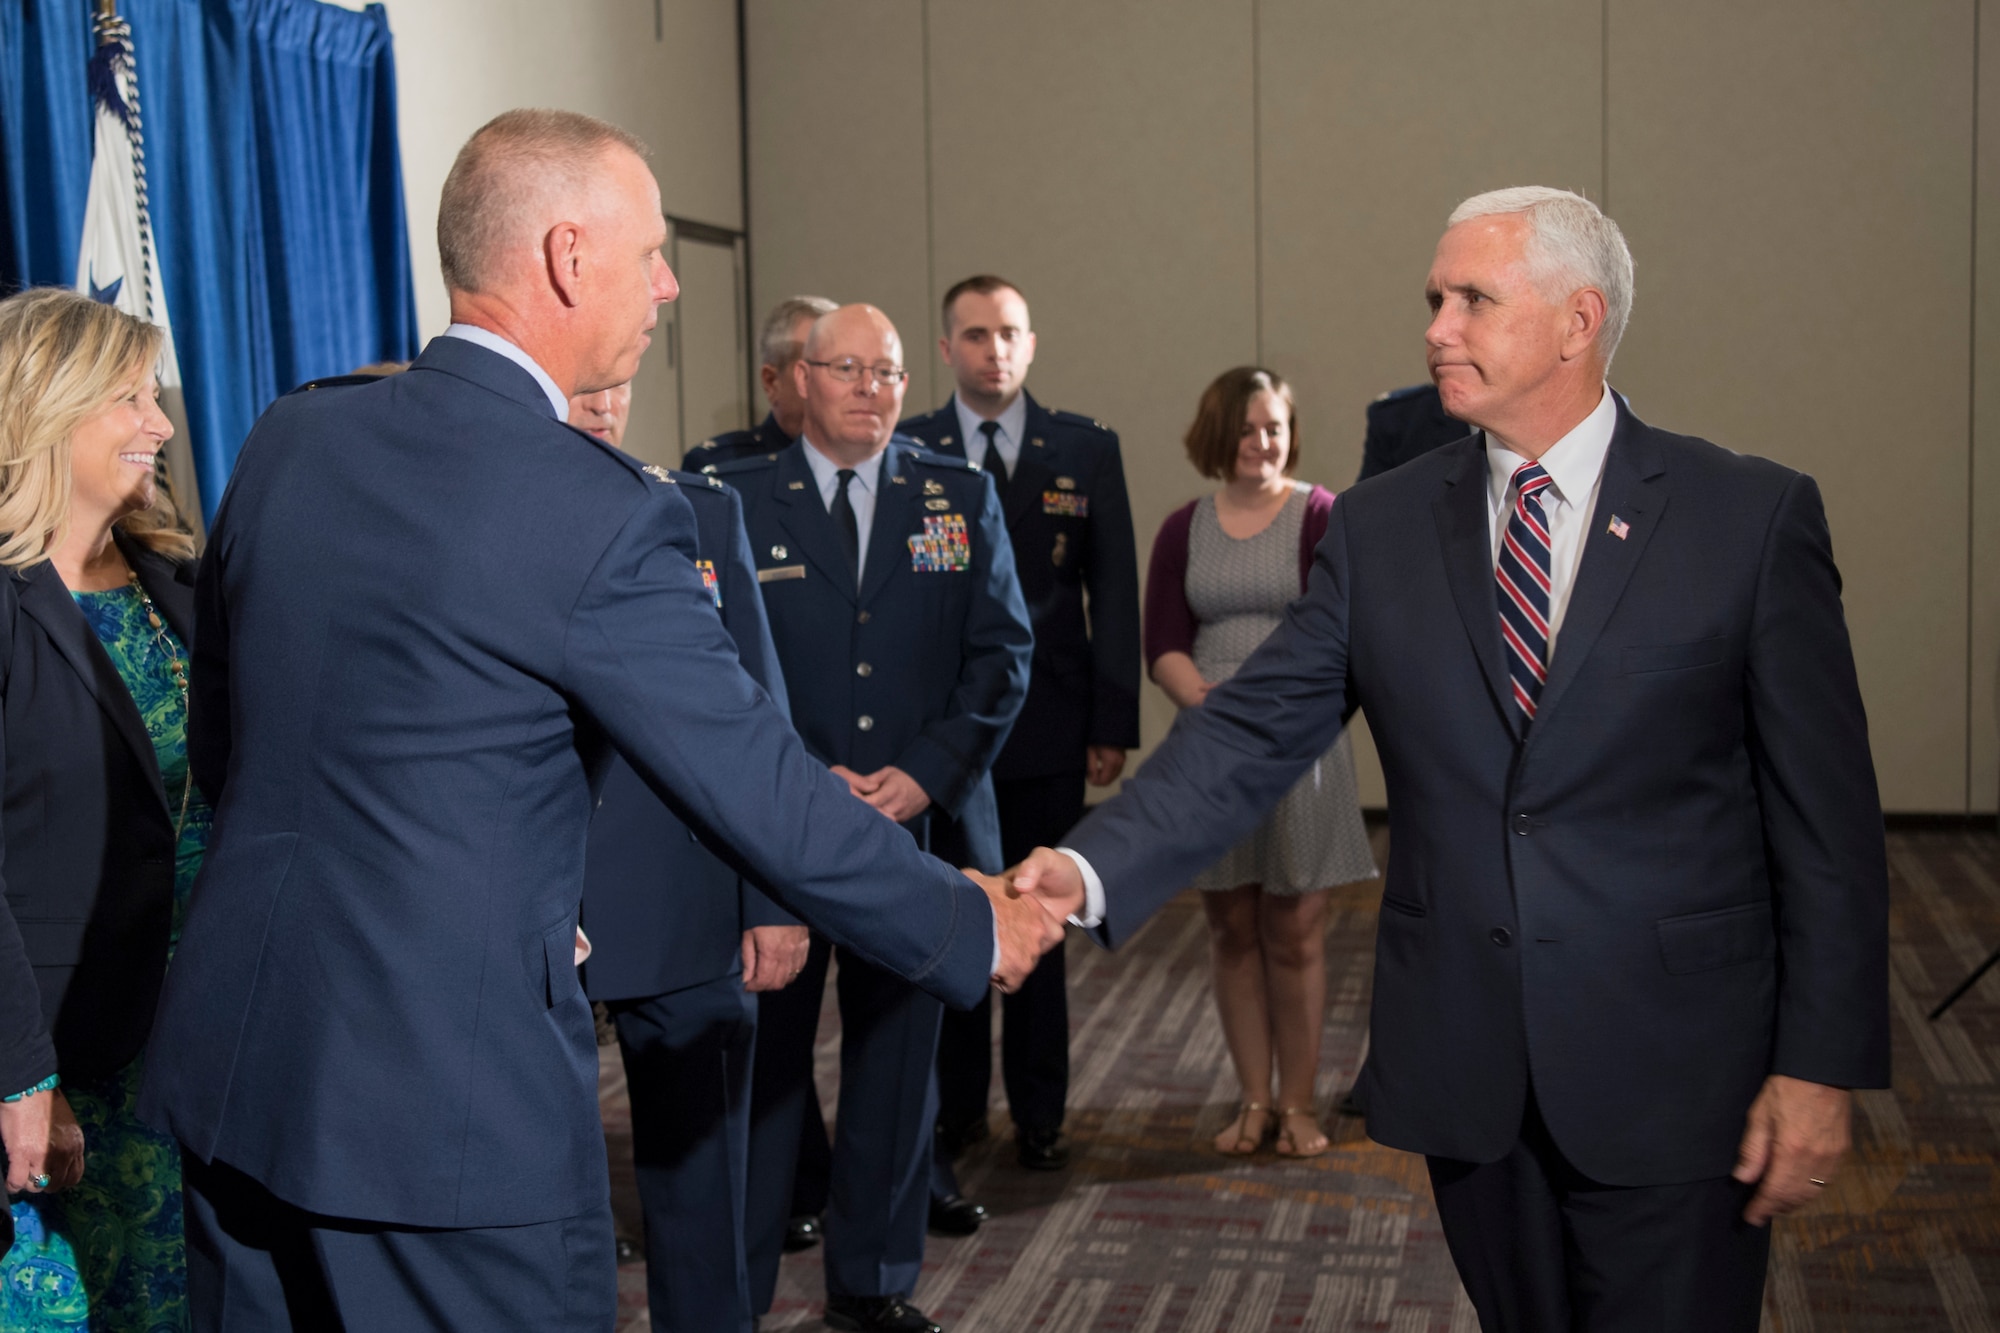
{"x":1152,"y":1232}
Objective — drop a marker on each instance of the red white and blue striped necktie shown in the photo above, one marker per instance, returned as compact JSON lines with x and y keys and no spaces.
{"x":1524,"y":587}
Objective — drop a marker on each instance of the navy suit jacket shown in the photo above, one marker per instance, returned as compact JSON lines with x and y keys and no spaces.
{"x":89,"y":832}
{"x":922,"y":670}
{"x":662,"y":911}
{"x":427,"y":614}
{"x":1071,"y":526}
{"x":1667,"y":887}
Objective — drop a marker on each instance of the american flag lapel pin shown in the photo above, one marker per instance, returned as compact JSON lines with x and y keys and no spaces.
{"x":1619,"y":528}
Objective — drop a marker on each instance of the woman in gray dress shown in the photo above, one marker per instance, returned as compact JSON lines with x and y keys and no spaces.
{"x":1223,"y":570}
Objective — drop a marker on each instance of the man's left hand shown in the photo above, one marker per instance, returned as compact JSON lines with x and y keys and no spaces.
{"x":1104,"y":764}
{"x":895,"y":793}
{"x":1796,"y":1133}
{"x":773,"y":956}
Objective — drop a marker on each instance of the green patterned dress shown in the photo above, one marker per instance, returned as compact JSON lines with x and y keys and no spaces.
{"x":108,"y":1254}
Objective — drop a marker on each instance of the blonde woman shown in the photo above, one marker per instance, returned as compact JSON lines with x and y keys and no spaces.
{"x":103,"y":829}
{"x":1223,"y":570}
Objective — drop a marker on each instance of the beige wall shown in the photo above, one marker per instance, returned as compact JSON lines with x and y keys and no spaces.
{"x":1184,"y":185}
{"x":459,"y":63}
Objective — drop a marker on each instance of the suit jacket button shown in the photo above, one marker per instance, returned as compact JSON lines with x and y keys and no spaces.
{"x":1522,"y":824}
{"x":865,"y":722}
{"x":863,"y":669}
{"x":1501,"y":936}
{"x":861,"y":619}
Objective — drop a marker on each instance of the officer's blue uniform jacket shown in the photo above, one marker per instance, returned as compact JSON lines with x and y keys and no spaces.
{"x":926,"y":665}
{"x":646,"y":941}
{"x":1071,"y":525}
{"x":427,"y":612}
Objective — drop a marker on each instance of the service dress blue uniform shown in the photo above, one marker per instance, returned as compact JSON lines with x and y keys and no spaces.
{"x":762,"y":440}
{"x":1071,"y":526}
{"x":428,"y":612}
{"x":924,"y":667}
{"x":666,"y":919}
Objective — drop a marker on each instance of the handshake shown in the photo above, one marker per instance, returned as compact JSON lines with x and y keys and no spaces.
{"x":1031,"y":901}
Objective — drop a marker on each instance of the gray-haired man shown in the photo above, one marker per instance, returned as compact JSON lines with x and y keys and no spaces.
{"x":779,"y":343}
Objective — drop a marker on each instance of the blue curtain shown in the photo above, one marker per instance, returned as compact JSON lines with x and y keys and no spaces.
{"x":275,"y":184}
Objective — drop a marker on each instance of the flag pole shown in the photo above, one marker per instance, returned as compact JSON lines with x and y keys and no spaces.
{"x":107,"y":9}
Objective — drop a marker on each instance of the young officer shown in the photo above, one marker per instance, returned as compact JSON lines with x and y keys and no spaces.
{"x":1062,"y":486}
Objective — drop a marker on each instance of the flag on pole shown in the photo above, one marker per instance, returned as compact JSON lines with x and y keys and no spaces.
{"x":118,"y":262}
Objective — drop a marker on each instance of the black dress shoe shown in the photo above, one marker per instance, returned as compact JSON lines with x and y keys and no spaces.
{"x":877,"y":1314}
{"x":1041,"y":1149}
{"x":801,"y":1233}
{"x":955,"y":1215}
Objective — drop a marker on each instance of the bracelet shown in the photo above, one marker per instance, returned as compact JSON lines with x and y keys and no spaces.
{"x":46,"y":1085}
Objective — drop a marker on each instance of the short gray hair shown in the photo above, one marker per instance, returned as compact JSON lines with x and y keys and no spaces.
{"x":1571,"y":244}
{"x":775,"y":343}
{"x":513,"y":166}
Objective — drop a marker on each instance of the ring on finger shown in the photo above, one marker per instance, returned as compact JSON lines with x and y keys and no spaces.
{"x":40,"y":1182}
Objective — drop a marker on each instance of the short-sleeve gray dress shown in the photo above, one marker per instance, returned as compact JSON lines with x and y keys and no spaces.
{"x":1238,"y":591}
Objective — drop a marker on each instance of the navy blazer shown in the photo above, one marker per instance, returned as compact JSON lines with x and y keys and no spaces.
{"x":1071,"y":525}
{"x":428,"y":612}
{"x":922,"y":669}
{"x":89,"y":832}
{"x":1405,"y":424}
{"x":662,"y":911}
{"x":1669,"y":886}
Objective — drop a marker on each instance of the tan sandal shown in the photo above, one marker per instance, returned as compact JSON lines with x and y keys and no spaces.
{"x":1245,"y":1142}
{"x":1289,"y":1144}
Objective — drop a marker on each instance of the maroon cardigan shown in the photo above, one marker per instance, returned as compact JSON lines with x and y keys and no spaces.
{"x":1170,"y":622}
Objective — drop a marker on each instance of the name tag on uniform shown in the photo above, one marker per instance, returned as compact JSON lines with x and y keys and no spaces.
{"x":942,"y":547}
{"x":710,"y":582}
{"x":781,"y":573}
{"x":1066,"y":504}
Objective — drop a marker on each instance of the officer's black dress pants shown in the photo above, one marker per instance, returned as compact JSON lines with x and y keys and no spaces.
{"x":687,"y":1068}
{"x":257,"y":1264}
{"x":1541,"y":1248}
{"x":1034,"y":1036}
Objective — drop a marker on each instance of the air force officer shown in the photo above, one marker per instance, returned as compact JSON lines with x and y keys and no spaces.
{"x":429,"y":612}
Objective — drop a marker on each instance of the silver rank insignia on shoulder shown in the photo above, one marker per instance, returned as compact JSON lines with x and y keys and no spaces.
{"x":658,"y":473}
{"x":933,"y":488}
{"x":937,"y":504}
{"x":1065,"y":483}
{"x":779,"y":553}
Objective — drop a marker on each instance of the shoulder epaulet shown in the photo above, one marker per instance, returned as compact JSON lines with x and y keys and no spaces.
{"x":735,"y":465}
{"x":336,"y":382}
{"x":697,"y":482}
{"x":1078,"y":419}
{"x":1397,"y":395}
{"x":920,"y":454}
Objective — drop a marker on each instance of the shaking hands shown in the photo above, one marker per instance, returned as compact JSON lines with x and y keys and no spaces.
{"x":1030,"y":904}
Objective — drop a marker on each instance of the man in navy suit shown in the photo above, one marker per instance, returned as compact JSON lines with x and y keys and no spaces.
{"x":1062,"y":487}
{"x":680,"y":945}
{"x":779,"y":345}
{"x":1633,"y":945}
{"x":905,"y":645}
{"x":429,"y":613}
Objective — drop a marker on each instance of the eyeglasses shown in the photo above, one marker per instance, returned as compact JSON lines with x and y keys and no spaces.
{"x":850,"y":370}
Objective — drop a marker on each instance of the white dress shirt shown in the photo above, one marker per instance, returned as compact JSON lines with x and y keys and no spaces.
{"x":1007,"y":439}
{"x":493,"y":342}
{"x":860,"y":494}
{"x":1575,"y":465}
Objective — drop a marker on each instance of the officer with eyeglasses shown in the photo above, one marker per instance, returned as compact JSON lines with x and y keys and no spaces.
{"x":903,"y":638}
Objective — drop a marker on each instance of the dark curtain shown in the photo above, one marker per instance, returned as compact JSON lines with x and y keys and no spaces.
{"x":275,"y":183}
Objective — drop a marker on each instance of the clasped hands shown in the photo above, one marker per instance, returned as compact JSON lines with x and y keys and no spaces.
{"x":1030,"y":902}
